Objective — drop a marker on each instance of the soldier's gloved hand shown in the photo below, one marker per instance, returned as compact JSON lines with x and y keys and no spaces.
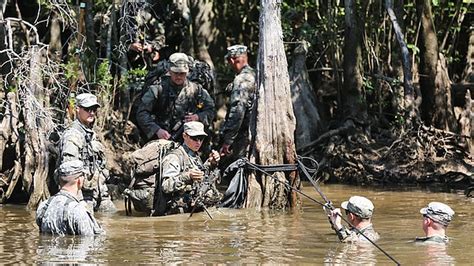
{"x":163,"y":134}
{"x":335,"y":217}
{"x":214,"y":157}
{"x":191,"y":117}
{"x":225,"y":150}
{"x":196,"y":174}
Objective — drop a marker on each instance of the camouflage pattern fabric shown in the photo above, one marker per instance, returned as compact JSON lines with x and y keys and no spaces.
{"x":63,"y":214}
{"x":234,"y":131}
{"x":176,"y":184}
{"x":433,"y":239}
{"x":164,"y":106}
{"x":351,"y":235}
{"x":146,"y":28}
{"x":80,"y":143}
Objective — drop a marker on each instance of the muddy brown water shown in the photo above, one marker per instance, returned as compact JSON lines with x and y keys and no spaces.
{"x":249,"y":236}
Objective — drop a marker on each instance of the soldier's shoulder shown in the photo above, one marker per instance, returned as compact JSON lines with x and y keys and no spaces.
{"x":245,"y":76}
{"x":74,"y":136}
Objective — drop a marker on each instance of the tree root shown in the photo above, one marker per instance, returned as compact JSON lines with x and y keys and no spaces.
{"x":422,"y":155}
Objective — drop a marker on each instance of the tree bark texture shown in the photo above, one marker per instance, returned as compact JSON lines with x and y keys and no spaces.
{"x":353,"y":95}
{"x":203,"y":29}
{"x":303,"y":98}
{"x":434,"y":81}
{"x":406,"y":59}
{"x":275,"y":120}
{"x":468,"y":74}
{"x":37,"y":157}
{"x":466,"y":123}
{"x":55,"y":45}
{"x":9,"y":137}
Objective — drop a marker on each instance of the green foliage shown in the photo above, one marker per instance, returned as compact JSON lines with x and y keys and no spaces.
{"x":414,"y":49}
{"x":137,"y":72}
{"x":71,"y":70}
{"x":104,"y":78}
{"x":102,"y":5}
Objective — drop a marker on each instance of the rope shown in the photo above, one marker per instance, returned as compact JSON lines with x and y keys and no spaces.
{"x":328,"y":203}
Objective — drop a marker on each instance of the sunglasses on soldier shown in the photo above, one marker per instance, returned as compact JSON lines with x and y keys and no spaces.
{"x":198,"y":138}
{"x":90,"y":109}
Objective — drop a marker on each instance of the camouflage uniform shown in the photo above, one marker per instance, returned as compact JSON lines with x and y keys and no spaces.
{"x":440,"y":214}
{"x":176,"y":185}
{"x":63,"y":214}
{"x":147,"y":29}
{"x":164,"y":105}
{"x":363,"y":208}
{"x":433,"y":239}
{"x":235,"y":130}
{"x":352,"y":235}
{"x":79,"y":143}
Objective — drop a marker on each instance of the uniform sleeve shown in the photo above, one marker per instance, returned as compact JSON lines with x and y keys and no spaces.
{"x":208,"y":111}
{"x":71,"y":145}
{"x":239,"y":99}
{"x":144,"y":115}
{"x":156,"y":34}
{"x":174,"y":179}
{"x":346,"y":235}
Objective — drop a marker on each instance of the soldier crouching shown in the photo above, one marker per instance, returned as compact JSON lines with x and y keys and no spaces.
{"x":187,"y":184}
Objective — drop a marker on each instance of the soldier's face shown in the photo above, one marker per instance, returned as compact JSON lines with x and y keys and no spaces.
{"x":238,"y":62}
{"x":86,"y":115}
{"x":178,"y":78}
{"x":194,"y":143}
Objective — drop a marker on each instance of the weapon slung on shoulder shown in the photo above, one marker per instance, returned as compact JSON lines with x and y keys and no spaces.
{"x":177,"y":131}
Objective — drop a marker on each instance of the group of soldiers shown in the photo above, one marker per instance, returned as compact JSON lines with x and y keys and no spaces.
{"x":175,"y":108}
{"x":359,"y":211}
{"x":170,"y":108}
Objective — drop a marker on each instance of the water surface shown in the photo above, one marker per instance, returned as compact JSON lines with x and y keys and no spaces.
{"x":249,"y":236}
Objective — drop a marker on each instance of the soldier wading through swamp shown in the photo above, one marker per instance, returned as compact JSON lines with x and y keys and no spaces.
{"x":170,"y":178}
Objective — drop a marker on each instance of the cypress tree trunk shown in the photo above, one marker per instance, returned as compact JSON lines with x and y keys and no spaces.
{"x":202,"y":15}
{"x":435,"y":85}
{"x":353,"y":96}
{"x":275,"y":121}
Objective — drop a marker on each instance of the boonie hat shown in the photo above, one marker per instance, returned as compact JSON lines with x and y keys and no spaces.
{"x":236,"y":50}
{"x":438,"y":212}
{"x":194,"y":128}
{"x":360,"y":206}
{"x":179,"y":63}
{"x":70,"y":170}
{"x":87,"y":100}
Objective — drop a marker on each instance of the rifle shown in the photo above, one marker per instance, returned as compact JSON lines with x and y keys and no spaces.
{"x":200,"y":190}
{"x":177,"y":130}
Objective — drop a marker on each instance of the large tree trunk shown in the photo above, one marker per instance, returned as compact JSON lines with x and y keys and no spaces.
{"x":55,"y":44}
{"x":36,"y":156}
{"x":434,"y":82}
{"x":409,"y":103}
{"x":303,"y":98}
{"x":353,"y":96}
{"x":203,"y":16}
{"x":275,"y":121}
{"x":468,"y":75}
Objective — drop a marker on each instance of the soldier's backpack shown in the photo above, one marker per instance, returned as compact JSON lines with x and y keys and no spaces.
{"x":144,"y":189}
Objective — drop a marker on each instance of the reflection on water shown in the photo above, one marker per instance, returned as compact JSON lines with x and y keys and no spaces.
{"x":68,"y":249}
{"x":436,"y":254}
{"x":351,"y":254}
{"x":247,"y":236}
